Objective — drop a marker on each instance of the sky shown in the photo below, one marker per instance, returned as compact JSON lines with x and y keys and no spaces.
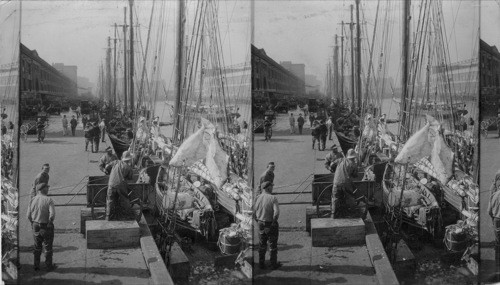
{"x":303,"y":31}
{"x":490,"y":22}
{"x":75,"y":32}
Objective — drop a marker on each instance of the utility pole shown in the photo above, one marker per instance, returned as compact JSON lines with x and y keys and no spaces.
{"x":336,"y":68}
{"x":114,"y":68}
{"x":358,"y":58}
{"x":125,"y":60}
{"x":131,"y":78}
{"x":108,"y":70}
{"x":353,"y":98}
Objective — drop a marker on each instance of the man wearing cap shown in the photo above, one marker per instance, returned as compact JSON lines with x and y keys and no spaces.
{"x":117,"y":194}
{"x":333,"y":158}
{"x":267,"y":176}
{"x":323,"y":133}
{"x":292,"y":123}
{"x":42,"y":177}
{"x":494,"y":212}
{"x":84,"y":121}
{"x":73,"y":124}
{"x":300,"y":123}
{"x":96,"y":136}
{"x":87,"y":133}
{"x":266,"y":213}
{"x":342,"y":183}
{"x":65,"y":125}
{"x":105,"y":160}
{"x":41,"y":214}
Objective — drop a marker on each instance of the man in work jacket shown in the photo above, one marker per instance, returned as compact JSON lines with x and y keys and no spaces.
{"x":117,"y":194}
{"x":342,"y":183}
{"x":41,"y":214}
{"x":267,"y":176}
{"x":266,"y":214}
{"x":105,"y":160}
{"x":332,"y":158}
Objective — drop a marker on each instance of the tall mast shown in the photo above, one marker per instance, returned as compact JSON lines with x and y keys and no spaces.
{"x":180,"y":57}
{"x":336,"y":68}
{"x":358,"y":58}
{"x":114,"y":68}
{"x":342,"y":65}
{"x":404,"y":126}
{"x":131,"y":77}
{"x":108,"y":70}
{"x":353,"y":99}
{"x":124,"y":60}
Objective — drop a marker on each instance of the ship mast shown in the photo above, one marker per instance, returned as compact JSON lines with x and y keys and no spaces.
{"x":180,"y":57}
{"x":404,"y":125}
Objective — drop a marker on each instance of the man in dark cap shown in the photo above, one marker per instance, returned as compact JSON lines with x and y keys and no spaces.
{"x":41,"y":214}
{"x":105,"y":160}
{"x":96,"y":136}
{"x":117,"y":195}
{"x":342,"y":183}
{"x":267,"y":176}
{"x":42,"y":177}
{"x":87,"y":133}
{"x":300,"y":123}
{"x":332,"y":158}
{"x":73,"y":123}
{"x":266,"y":213}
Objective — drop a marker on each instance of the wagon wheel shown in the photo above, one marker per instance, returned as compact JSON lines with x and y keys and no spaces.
{"x":318,"y":200}
{"x":94,"y":216}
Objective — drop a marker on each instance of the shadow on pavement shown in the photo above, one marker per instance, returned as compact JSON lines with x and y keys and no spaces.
{"x":296,"y":280}
{"x":41,"y":281}
{"x":282,"y":247}
{"x":341,"y":269}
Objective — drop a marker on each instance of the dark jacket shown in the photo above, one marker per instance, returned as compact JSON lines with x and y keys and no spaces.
{"x":73,"y":123}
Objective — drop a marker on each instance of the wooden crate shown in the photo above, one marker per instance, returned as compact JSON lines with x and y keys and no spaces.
{"x":179,"y":267}
{"x":326,"y":232}
{"x":112,"y":234}
{"x":311,"y":213}
{"x":86,"y":215}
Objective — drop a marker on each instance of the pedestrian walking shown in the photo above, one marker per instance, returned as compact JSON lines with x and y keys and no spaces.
{"x":88,"y":134}
{"x":266,"y":214}
{"x":267,"y":176}
{"x":102,"y":127}
{"x":292,"y":123}
{"x":311,"y":119}
{"x":96,"y":136}
{"x":105,"y":160}
{"x":330,"y":124}
{"x":79,"y":113}
{"x":42,"y":177}
{"x":65,"y":125}
{"x":73,"y":124}
{"x":40,"y":130}
{"x":41,"y":214}
{"x":315,"y":133}
{"x":323,"y":133}
{"x":117,"y":194}
{"x":267,"y":129}
{"x":300,"y":123}
{"x":84,"y":121}
{"x":342,"y":183}
{"x":494,"y":212}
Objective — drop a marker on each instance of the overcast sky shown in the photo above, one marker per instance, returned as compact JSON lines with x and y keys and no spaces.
{"x":76,"y":32}
{"x":490,"y":22}
{"x":303,"y":31}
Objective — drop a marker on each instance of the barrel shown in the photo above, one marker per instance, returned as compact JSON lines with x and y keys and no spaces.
{"x":229,"y":244}
{"x":455,"y":242}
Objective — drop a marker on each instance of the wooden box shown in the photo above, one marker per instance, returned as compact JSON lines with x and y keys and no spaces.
{"x":112,"y":234}
{"x":178,"y":267}
{"x":311,"y":213}
{"x":86,"y":215}
{"x":326,"y":232}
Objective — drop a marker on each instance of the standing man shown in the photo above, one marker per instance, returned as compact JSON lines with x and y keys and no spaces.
{"x":102,"y":127}
{"x":332,"y":159}
{"x":42,"y":177}
{"x":40,"y":130}
{"x":73,"y":124}
{"x":267,"y":129}
{"x":292,"y":123}
{"x":88,"y":134}
{"x":323,"y":133}
{"x":41,"y":214}
{"x":267,"y":176}
{"x":342,"y":183}
{"x":65,"y":125}
{"x":300,"y":123}
{"x":84,"y":121}
{"x":96,"y":137}
{"x":315,"y":133}
{"x":494,"y":212}
{"x":330,"y":124}
{"x":105,"y":160}
{"x":266,"y":214}
{"x":117,"y":195}
{"x":311,"y":119}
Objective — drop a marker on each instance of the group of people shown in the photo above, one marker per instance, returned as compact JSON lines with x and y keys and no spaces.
{"x":92,"y":133}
